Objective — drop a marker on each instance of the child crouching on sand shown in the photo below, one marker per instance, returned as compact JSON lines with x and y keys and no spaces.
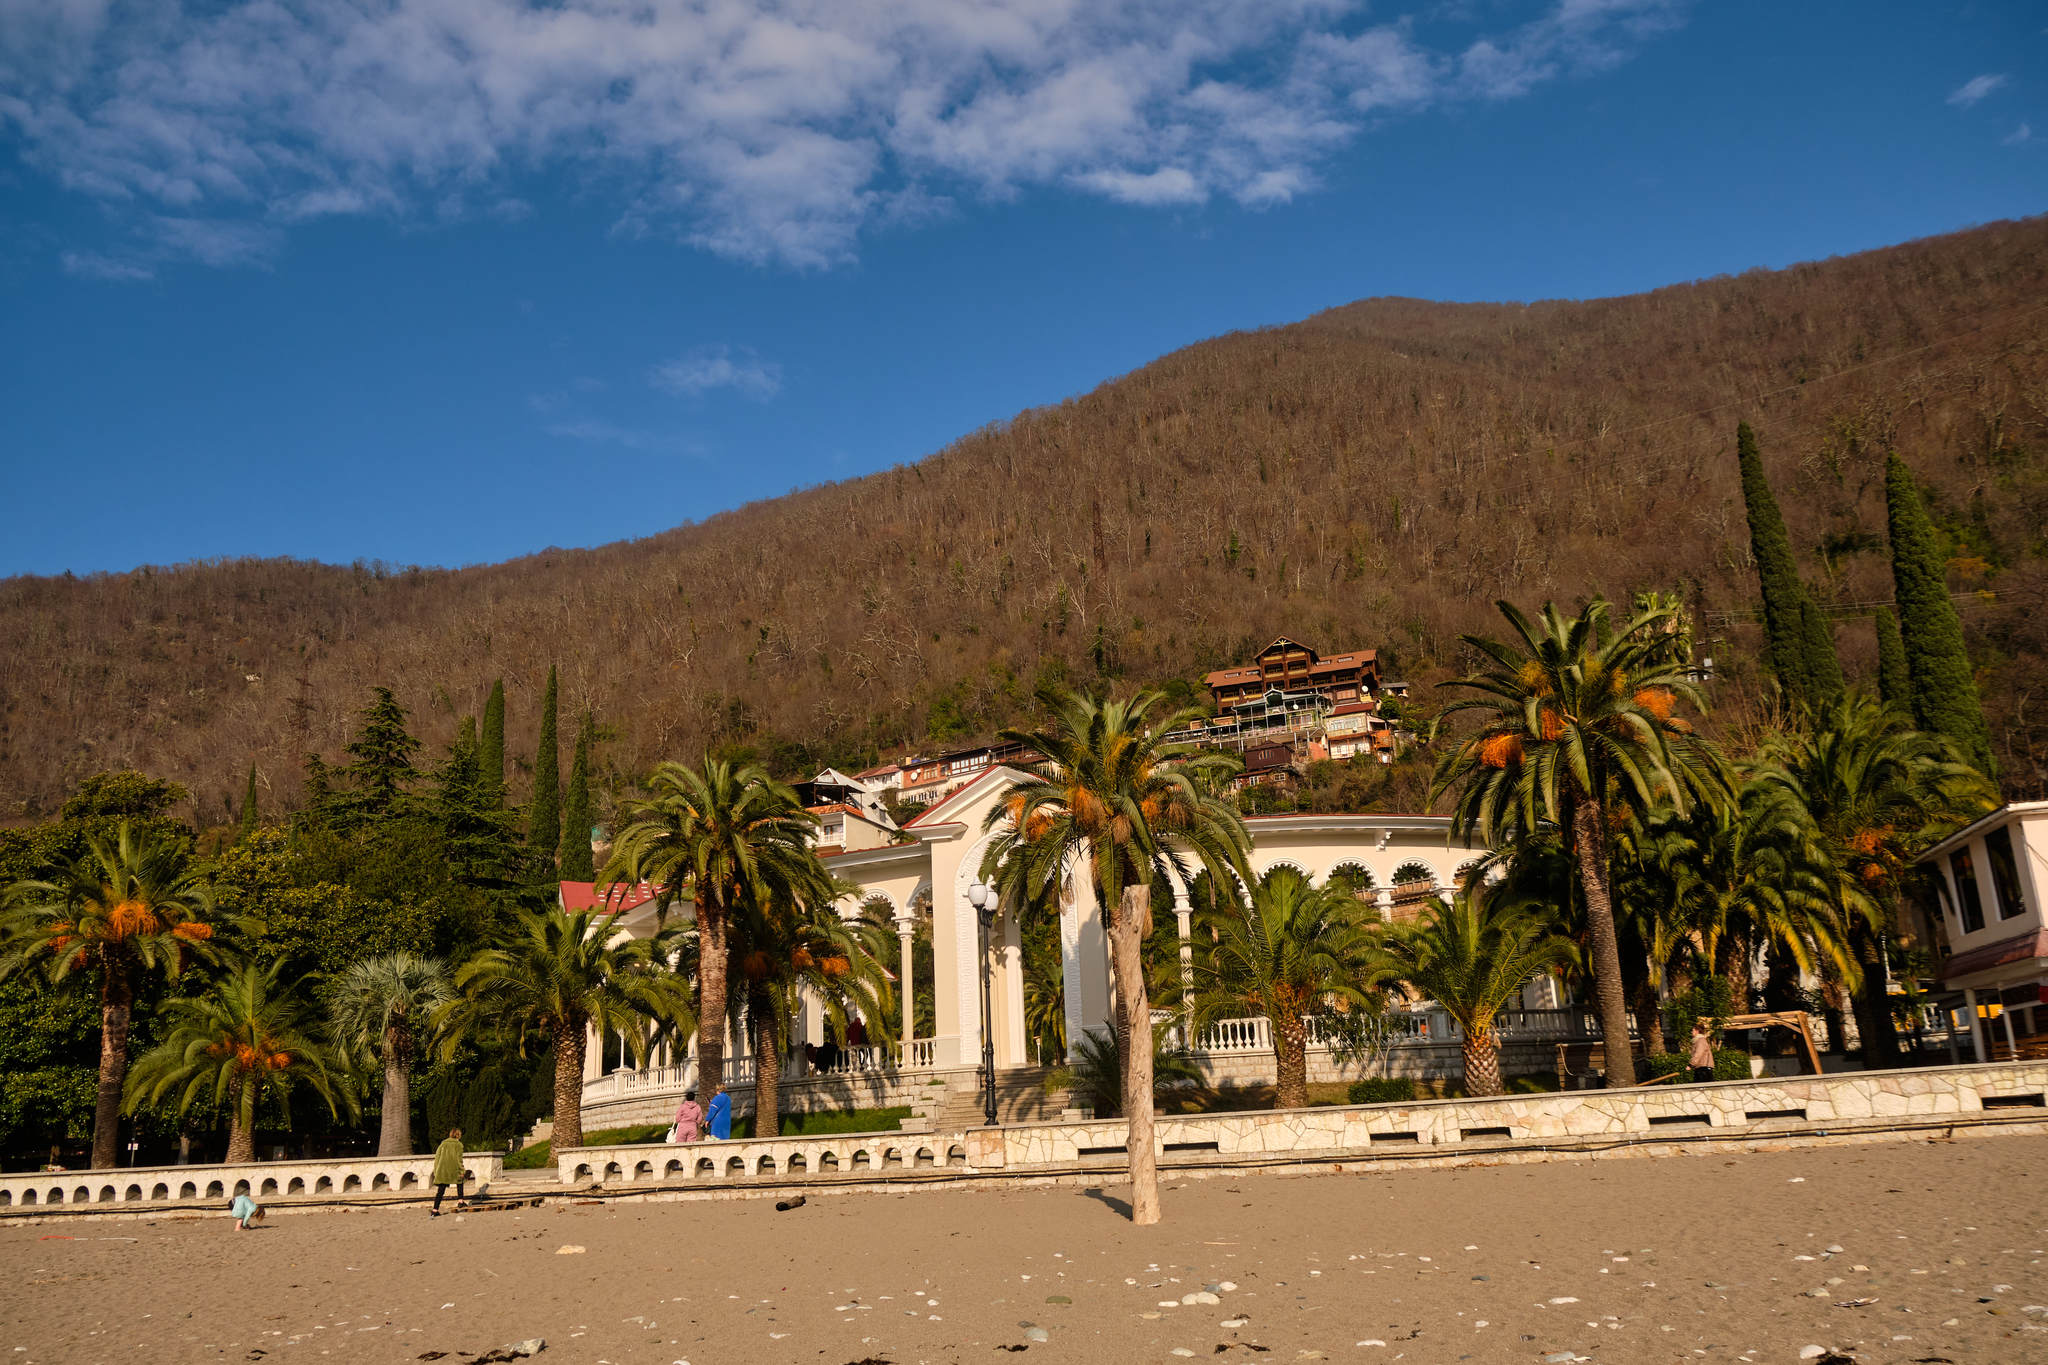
{"x":247,"y":1212}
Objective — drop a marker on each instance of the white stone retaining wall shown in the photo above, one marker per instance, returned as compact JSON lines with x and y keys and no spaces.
{"x":1855,"y":1100}
{"x":260,"y":1180}
{"x":803,"y":1095}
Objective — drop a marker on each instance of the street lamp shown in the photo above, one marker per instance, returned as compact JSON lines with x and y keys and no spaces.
{"x":984,"y":899}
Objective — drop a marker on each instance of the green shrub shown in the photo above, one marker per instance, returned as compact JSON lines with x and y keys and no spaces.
{"x":1381,"y":1090}
{"x":1730,"y":1064}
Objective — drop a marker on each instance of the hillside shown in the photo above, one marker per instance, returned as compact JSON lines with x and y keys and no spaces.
{"x":1374,"y":475}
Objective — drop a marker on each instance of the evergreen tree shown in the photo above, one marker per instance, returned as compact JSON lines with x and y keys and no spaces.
{"x":319,"y":790}
{"x":1894,"y":683}
{"x":471,"y":821}
{"x":1797,"y":639}
{"x":544,"y":823}
{"x":1817,"y":652}
{"x":382,"y":752}
{"x":248,"y":807}
{"x":577,"y":863}
{"x":491,"y":760}
{"x":1944,"y":691}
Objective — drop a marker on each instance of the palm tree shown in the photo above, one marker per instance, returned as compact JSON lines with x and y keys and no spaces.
{"x":1115,"y":798}
{"x":1877,"y":793}
{"x":127,"y":907}
{"x":1472,"y":957}
{"x":729,"y":837}
{"x":554,"y":975}
{"x":245,"y":1040}
{"x":1577,"y":728}
{"x":1296,"y":951}
{"x":784,"y":958}
{"x":385,"y":1006}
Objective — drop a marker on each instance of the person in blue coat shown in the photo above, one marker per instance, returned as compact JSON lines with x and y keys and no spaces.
{"x":718,"y":1117}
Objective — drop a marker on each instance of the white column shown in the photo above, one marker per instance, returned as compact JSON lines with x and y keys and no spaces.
{"x":1012,"y":1047}
{"x":593,"y":1053}
{"x":906,"y":979}
{"x":1084,"y":959}
{"x":1977,"y":1039}
{"x":1184,"y":912}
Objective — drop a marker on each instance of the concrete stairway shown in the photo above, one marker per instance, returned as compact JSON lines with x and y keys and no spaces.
{"x":1021,"y":1097}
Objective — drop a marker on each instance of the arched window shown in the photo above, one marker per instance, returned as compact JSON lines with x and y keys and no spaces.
{"x":1414,"y":888}
{"x":1355,"y":878}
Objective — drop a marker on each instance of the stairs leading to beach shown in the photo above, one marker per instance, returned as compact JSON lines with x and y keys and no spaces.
{"x":956,"y":1103}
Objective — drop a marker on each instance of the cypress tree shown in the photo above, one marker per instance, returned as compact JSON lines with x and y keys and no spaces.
{"x":248,"y":807}
{"x":1944,"y":691}
{"x":1817,"y":651}
{"x":577,"y":862}
{"x":1894,"y":683}
{"x":491,"y":750}
{"x":544,"y":824}
{"x":1777,"y":573}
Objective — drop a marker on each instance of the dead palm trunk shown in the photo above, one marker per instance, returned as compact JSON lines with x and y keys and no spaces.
{"x":767,"y":1069}
{"x":117,"y":1002}
{"x":1731,"y":964}
{"x":569,"y":1048}
{"x":1589,"y":834}
{"x":1482,"y":1060}
{"x":394,"y":1132}
{"x":1290,"y":1060}
{"x":1127,"y":953}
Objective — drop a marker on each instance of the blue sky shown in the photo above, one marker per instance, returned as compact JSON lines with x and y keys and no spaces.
{"x":447,"y":283}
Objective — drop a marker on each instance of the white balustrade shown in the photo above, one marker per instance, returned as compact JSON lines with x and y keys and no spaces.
{"x":260,"y":1180}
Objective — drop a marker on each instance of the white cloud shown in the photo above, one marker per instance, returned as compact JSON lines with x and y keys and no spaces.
{"x":1974,"y":89}
{"x":596,"y":432}
{"x":769,"y":131}
{"x":94,"y":266}
{"x":719,"y":367}
{"x":2018,"y":135}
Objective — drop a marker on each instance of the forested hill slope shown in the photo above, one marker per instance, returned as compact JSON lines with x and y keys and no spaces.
{"x":1374,"y":475}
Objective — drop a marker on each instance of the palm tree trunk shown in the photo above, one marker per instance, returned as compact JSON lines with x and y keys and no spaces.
{"x":1482,"y":1061}
{"x":711,"y":997}
{"x":1651,"y":1019}
{"x":394,"y":1133}
{"x":570,"y":1044}
{"x":1127,"y":955}
{"x":1731,"y":964}
{"x":1874,"y":1007}
{"x":1589,"y":834}
{"x":1290,"y":1058}
{"x":767,"y":1071}
{"x":242,"y":1131}
{"x":117,"y":1000}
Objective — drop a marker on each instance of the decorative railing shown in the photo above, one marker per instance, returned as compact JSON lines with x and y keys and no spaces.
{"x":920,"y":1054}
{"x":1416,"y":1027}
{"x":260,"y":1180}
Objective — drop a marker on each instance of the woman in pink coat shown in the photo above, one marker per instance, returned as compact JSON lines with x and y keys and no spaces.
{"x":689,"y":1119}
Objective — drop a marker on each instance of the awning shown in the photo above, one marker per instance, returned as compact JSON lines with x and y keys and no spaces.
{"x":1999,"y":954}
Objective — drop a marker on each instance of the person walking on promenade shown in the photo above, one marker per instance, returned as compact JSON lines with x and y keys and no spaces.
{"x":689,"y":1118}
{"x":1702,"y":1058}
{"x":719,"y":1115}
{"x":448,"y":1169}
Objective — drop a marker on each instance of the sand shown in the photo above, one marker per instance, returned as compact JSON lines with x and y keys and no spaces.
{"x":1925,"y":1252}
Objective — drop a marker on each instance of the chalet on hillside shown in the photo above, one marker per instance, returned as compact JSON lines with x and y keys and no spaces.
{"x":1288,"y":666}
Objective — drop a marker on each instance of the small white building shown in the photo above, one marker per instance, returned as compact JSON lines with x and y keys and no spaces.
{"x":1993,"y":878}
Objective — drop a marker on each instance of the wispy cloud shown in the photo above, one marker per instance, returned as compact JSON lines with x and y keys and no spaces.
{"x":719,"y":367}
{"x":93,"y":266}
{"x":774,"y":132}
{"x":591,"y":431}
{"x":1974,"y":89}
{"x":2023,"y":133}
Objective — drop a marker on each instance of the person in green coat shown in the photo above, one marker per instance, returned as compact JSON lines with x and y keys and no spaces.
{"x":448,"y":1169}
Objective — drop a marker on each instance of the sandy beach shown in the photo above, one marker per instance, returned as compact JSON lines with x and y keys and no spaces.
{"x":1905,"y":1252}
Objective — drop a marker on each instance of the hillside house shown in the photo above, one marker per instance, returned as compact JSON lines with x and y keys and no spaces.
{"x":1288,"y":666}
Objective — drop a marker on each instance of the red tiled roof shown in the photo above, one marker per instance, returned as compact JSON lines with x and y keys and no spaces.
{"x":579,"y":896}
{"x":1998,"y":954}
{"x":1352,"y":708}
